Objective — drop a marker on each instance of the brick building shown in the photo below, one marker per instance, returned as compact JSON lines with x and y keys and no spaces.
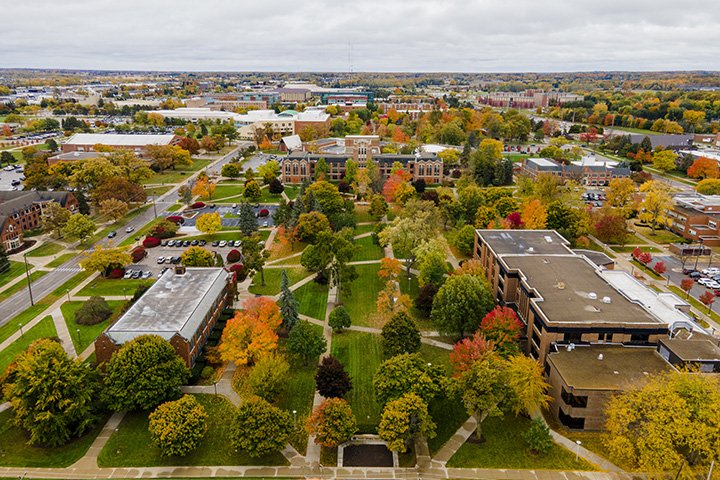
{"x":22,"y":210}
{"x":182,"y":307}
{"x":587,"y":172}
{"x":86,"y":142}
{"x":696,"y":218}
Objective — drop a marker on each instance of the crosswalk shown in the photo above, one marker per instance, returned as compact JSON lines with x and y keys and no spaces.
{"x":69,"y":269}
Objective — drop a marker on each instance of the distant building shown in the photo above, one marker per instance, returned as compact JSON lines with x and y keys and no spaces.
{"x":527,"y":99}
{"x":588,"y":171}
{"x":182,"y":307}
{"x":667,"y":141}
{"x":86,"y":142}
{"x":696,"y":218}
{"x":22,"y":210}
{"x":73,"y":157}
{"x":196,"y":114}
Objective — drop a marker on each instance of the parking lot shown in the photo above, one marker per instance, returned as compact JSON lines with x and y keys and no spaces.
{"x":229,"y":213}
{"x":10,"y":177}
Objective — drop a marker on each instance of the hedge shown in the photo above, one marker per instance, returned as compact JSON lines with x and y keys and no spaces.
{"x":151,"y":242}
{"x":233,"y":256}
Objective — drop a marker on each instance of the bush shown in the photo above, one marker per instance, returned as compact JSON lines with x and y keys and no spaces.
{"x":331,"y":379}
{"x":538,"y":437}
{"x":116,"y":273}
{"x":419,"y":185}
{"x":93,"y":311}
{"x":197,"y":205}
{"x":233,"y":256}
{"x":176,"y":219}
{"x":164,"y":229}
{"x":260,"y":428}
{"x":177,"y":427}
{"x":339,"y":319}
{"x":207,"y":372}
{"x":151,"y":242}
{"x":138,"y":253}
{"x":423,"y":302}
{"x":263,"y":212}
{"x":276,"y":186}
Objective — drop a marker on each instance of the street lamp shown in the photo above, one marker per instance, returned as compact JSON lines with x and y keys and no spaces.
{"x":27,"y":275}
{"x":21,"y":330}
{"x":215,"y":387}
{"x":294,"y":416}
{"x":78,"y":334}
{"x":577,"y":450}
{"x":67,"y":290}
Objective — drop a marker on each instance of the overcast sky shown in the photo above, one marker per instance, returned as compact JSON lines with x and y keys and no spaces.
{"x":387,"y":35}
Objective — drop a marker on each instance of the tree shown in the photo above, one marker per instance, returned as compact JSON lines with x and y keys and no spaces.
{"x":252,"y":191}
{"x":424,"y":300}
{"x":664,"y":160}
{"x":119,"y":188}
{"x":260,"y":428}
{"x":647,"y":430}
{"x":6,"y":157}
{"x":247,"y":222}
{"x":113,"y":208}
{"x":418,"y":223}
{"x":378,"y":207}
{"x":177,"y":427}
{"x":709,"y":186}
{"x":329,"y":200}
{"x":130,"y":167}
{"x":255,"y":255}
{"x":538,"y":437}
{"x":461,"y":303}
{"x":686,"y":284}
{"x":209,"y":223}
{"x":306,"y":342}
{"x":143,"y":373}
{"x":79,"y":226}
{"x":704,"y":168}
{"x":53,"y":397}
{"x":659,"y":268}
{"x":163,"y":157}
{"x":4,"y":261}
{"x":268,"y":378}
{"x":332,"y":423}
{"x":611,"y":226}
{"x":164,"y":228}
{"x":269,"y":171}
{"x":339,"y":319}
{"x":431,"y":262}
{"x":203,"y":188}
{"x":408,"y":373}
{"x":400,"y":335}
{"x":54,"y":218}
{"x":329,"y":256}
{"x":321,"y":169}
{"x":288,"y":303}
{"x":502,"y":327}
{"x":250,"y":334}
{"x":527,"y":383}
{"x":331,"y":379}
{"x":655,"y":204}
{"x":620,"y":194}
{"x":197,"y":257}
{"x":403,"y":420}
{"x":483,"y":387}
{"x":230,"y":170}
{"x":707,"y":299}
{"x":93,"y":311}
{"x":534,"y":215}
{"x":103,"y":259}
{"x":275,"y":186}
{"x":469,"y":350}
{"x":310,"y":225}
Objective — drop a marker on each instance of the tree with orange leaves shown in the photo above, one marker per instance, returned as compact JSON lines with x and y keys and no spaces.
{"x":203,"y":188}
{"x":469,"y":350}
{"x":503,"y":327}
{"x":703,"y":168}
{"x":250,"y":334}
{"x":389,"y":269}
{"x":534,"y":215}
{"x":397,"y":188}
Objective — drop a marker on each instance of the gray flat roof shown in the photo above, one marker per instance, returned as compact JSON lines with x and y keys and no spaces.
{"x":173,"y":304}
{"x":697,"y":348}
{"x":572,"y":291}
{"x":620,"y":368}
{"x":119,"y":139}
{"x":525,"y":242}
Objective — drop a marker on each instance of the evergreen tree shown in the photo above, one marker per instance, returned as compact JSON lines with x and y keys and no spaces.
{"x":247,"y":222}
{"x":288,"y":303}
{"x":4,"y":262}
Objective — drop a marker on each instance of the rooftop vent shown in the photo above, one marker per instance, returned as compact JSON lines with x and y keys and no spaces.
{"x":560,"y":285}
{"x":600,"y":356}
{"x":548,"y":238}
{"x":592,"y":296}
{"x":606,"y":300}
{"x":530,"y":250}
{"x":616,"y":372}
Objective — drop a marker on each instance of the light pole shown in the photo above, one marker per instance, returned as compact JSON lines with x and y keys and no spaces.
{"x":577,"y":450}
{"x":295,"y":416}
{"x":27,"y":275}
{"x":78,"y":334}
{"x":21,"y":330}
{"x":215,"y":387}
{"x":67,"y":290}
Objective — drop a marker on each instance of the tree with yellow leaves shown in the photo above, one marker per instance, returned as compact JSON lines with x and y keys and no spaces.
{"x":203,"y":188}
{"x":621,"y":195}
{"x":656,"y":202}
{"x":534,"y":215}
{"x":209,"y":223}
{"x":250,"y":334}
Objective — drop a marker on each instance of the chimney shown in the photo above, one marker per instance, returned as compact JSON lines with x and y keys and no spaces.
{"x":179,"y":269}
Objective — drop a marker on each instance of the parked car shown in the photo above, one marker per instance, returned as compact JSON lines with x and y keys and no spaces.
{"x":170,"y":243}
{"x":688,"y":270}
{"x":713,"y":284}
{"x":215,"y":243}
{"x":136,"y":274}
{"x":160,"y":260}
{"x":265,"y":224}
{"x":695,"y":275}
{"x":186,"y":243}
{"x":202,"y":243}
{"x":128,"y":274}
{"x":163,"y":243}
{"x":222,"y":243}
{"x":709,"y":272}
{"x":175,"y":260}
{"x":112,"y":234}
{"x":194,"y":243}
{"x":146,"y":275}
{"x":706,"y":281}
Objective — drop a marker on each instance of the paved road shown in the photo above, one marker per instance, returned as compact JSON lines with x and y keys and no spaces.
{"x":46,"y":284}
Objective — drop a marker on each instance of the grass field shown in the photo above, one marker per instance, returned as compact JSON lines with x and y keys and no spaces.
{"x":130,"y":445}
{"x":367,"y":250}
{"x":224,"y":190}
{"x":695,"y":303}
{"x":47,"y":248}
{"x":16,"y":453}
{"x":174,"y":207}
{"x":661,"y":236}
{"x":504,"y":448}
{"x":362,"y":215}
{"x":44,"y":329}
{"x":360,"y":304}
{"x":364,"y":228}
{"x":157,"y":191}
{"x":60,"y":260}
{"x":272,"y":280}
{"x":312,"y":300}
{"x":630,"y":248}
{"x":361,"y":354}
{"x":87,"y":333}
{"x":176,"y":176}
{"x":16,"y":269}
{"x":105,"y":287}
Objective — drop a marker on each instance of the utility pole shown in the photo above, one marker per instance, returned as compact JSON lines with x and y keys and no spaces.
{"x":27,"y":275}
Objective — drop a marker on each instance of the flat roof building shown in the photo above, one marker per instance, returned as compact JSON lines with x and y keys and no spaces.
{"x":182,"y":307}
{"x":85,"y":142}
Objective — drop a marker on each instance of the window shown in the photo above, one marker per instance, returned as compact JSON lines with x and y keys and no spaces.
{"x":640,"y":338}
{"x":572,"y":337}
{"x":571,"y":422}
{"x":576,"y":401}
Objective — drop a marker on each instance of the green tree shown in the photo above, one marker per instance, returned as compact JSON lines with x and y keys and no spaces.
{"x":461,"y":303}
{"x":177,"y":427}
{"x":269,"y":171}
{"x":400,"y":335}
{"x":321,"y":169}
{"x":260,"y":428}
{"x":339,"y":319}
{"x":6,"y":158}
{"x":54,"y":218}
{"x":310,"y":225}
{"x":708,"y":186}
{"x":113,"y":208}
{"x":288,"y":303}
{"x":79,"y":226}
{"x":538,"y":437}
{"x":252,"y":191}
{"x":197,"y":257}
{"x":332,"y":422}
{"x":255,"y":255}
{"x":329,"y":200}
{"x":664,"y":160}
{"x":351,"y":171}
{"x":418,"y":223}
{"x":483,"y":388}
{"x":331,"y":379}
{"x":431,"y":261}
{"x":378,"y":207}
{"x":247,"y":222}
{"x":93,"y":311}
{"x":408,"y":373}
{"x":145,"y":372}
{"x":209,"y":223}
{"x":306,"y":342}
{"x":268,"y":377}
{"x":403,"y":420}
{"x":102,"y":259}
{"x":329,"y":256}
{"x":230,"y":170}
{"x":4,"y":262}
{"x":53,"y":397}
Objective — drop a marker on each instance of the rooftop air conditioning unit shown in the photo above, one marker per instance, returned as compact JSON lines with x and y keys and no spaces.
{"x":600,"y":357}
{"x":592,"y":296}
{"x":606,"y":300}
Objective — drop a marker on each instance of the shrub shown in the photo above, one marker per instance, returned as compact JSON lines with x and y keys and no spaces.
{"x":138,"y":253}
{"x":164,"y":229}
{"x":93,"y":311}
{"x":197,"y":205}
{"x":331,"y":379}
{"x":207,"y":372}
{"x":339,"y":318}
{"x":538,"y":437}
{"x":424,"y":300}
{"x":263,"y":212}
{"x":276,"y":186}
{"x":176,"y":219}
{"x":260,"y":428}
{"x":117,"y":273}
{"x":240,"y":272}
{"x":151,"y":242}
{"x":234,"y":256}
{"x":177,"y":427}
{"x":268,"y":378}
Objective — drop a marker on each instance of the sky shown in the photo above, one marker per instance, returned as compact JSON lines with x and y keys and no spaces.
{"x":365,"y":35}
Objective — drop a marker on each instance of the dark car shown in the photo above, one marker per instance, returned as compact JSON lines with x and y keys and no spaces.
{"x":136,"y":274}
{"x":695,"y":275}
{"x":175,"y":260}
{"x":186,"y":243}
{"x":688,"y":270}
{"x":202,"y":243}
{"x":194,"y":243}
{"x":112,"y":234}
{"x":215,"y":243}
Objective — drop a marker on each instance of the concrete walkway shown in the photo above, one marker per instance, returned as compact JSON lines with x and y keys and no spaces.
{"x":89,"y":460}
{"x":63,"y":332}
{"x":455,"y":442}
{"x":222,"y":387}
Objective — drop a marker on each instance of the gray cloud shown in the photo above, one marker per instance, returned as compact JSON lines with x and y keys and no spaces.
{"x":390,"y":35}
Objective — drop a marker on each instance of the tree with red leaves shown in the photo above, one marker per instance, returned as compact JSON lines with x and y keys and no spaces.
{"x":514,"y":221}
{"x":644,"y":258}
{"x":468,"y":350}
{"x":708,"y":298}
{"x":502,"y":327}
{"x":686,"y":284}
{"x":659,"y":268}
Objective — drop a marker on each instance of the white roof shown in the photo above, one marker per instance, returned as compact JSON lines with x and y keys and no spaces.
{"x":711,"y":154}
{"x":195,"y":113}
{"x":595,"y":161}
{"x":119,"y":140}
{"x":436,"y":148}
{"x":313,"y":116}
{"x":292,"y":142}
{"x":543,"y":162}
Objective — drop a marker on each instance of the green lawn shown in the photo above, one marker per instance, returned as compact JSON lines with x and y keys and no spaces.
{"x":367,"y":250}
{"x":47,"y":248}
{"x":16,"y":269}
{"x":361,"y":354}
{"x":176,"y":176}
{"x":117,"y":226}
{"x":504,"y":448}
{"x":223,"y":190}
{"x":291,"y":191}
{"x":312,"y":299}
{"x":359,"y":229}
{"x":16,"y":453}
{"x":130,"y":445}
{"x":362,"y":215}
{"x":360,"y":304}
{"x":661,"y":236}
{"x":629,"y":249}
{"x":174,"y":207}
{"x":44,"y":329}
{"x":105,"y":287}
{"x":272,"y":280}
{"x":60,"y":260}
{"x":647,"y":270}
{"x":157,"y":191}
{"x":22,"y":284}
{"x":88,"y":333}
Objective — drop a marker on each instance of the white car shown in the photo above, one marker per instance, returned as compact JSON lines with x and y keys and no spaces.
{"x":129,"y":229}
{"x":706,"y":281}
{"x":222,"y":243}
{"x":160,"y":260}
{"x":710,"y":271}
{"x":713,"y":284}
